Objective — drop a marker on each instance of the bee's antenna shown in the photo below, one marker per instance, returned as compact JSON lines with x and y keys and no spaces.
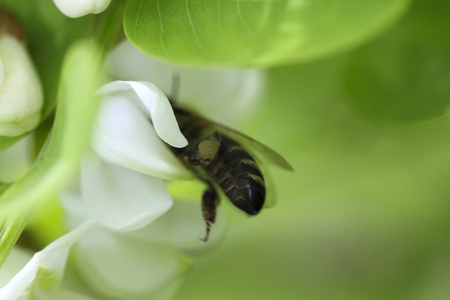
{"x":175,"y":92}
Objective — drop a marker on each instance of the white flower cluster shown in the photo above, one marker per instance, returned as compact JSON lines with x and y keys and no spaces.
{"x":132,"y":239}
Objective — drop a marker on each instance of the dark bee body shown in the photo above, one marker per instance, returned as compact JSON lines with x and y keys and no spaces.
{"x":216,"y":157}
{"x":235,"y":171}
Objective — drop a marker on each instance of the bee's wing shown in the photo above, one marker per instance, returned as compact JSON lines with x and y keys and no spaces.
{"x":271,"y":193}
{"x":261,"y":153}
{"x":265,"y":153}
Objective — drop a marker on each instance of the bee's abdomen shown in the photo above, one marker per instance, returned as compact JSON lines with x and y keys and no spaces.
{"x":237,"y":174}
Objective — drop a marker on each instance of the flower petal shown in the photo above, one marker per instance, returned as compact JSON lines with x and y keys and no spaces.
{"x":16,"y":260}
{"x":182,"y":226}
{"x":79,"y":8}
{"x":126,"y":137}
{"x":21,"y":96}
{"x":221,"y":94}
{"x":46,"y":266}
{"x":157,"y":106}
{"x":74,"y":208}
{"x":121,"y":199}
{"x":119,"y":266}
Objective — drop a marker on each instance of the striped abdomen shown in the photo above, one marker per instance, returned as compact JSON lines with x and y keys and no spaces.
{"x":235,"y":171}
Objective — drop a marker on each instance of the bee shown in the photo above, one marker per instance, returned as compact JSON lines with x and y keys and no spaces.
{"x":218,"y":156}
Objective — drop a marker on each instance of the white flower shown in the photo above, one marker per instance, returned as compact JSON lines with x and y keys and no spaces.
{"x":79,"y":8}
{"x":124,"y":191}
{"x":139,"y":246}
{"x":144,"y":262}
{"x":21,"y":96}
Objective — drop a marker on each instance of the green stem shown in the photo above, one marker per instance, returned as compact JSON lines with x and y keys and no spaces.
{"x":104,"y":37}
{"x":109,"y":27}
{"x":10,"y":233}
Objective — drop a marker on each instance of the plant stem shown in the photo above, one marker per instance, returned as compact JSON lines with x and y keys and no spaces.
{"x":10,"y":233}
{"x":109,"y":27}
{"x":104,"y":36}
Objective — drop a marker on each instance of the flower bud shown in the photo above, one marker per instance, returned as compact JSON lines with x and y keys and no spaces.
{"x":79,"y":8}
{"x":21,"y":96}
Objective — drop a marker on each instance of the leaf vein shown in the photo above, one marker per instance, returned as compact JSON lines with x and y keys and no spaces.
{"x":250,"y":32}
{"x":219,"y":15}
{"x":265,"y":14}
{"x":194,"y":32}
{"x":161,"y":40}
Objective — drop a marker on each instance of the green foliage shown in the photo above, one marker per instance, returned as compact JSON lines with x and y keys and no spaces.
{"x":402,"y":75}
{"x":254,"y":33}
{"x":365,"y":215}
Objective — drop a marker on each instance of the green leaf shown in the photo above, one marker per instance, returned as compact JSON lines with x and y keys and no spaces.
{"x":68,"y":141}
{"x":48,"y":34}
{"x":254,"y":32}
{"x":405,"y":75}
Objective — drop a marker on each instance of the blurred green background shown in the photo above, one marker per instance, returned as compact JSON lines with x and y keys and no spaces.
{"x":366,"y":214}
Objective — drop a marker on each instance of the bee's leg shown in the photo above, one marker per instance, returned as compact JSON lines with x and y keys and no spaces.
{"x":209,"y":203}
